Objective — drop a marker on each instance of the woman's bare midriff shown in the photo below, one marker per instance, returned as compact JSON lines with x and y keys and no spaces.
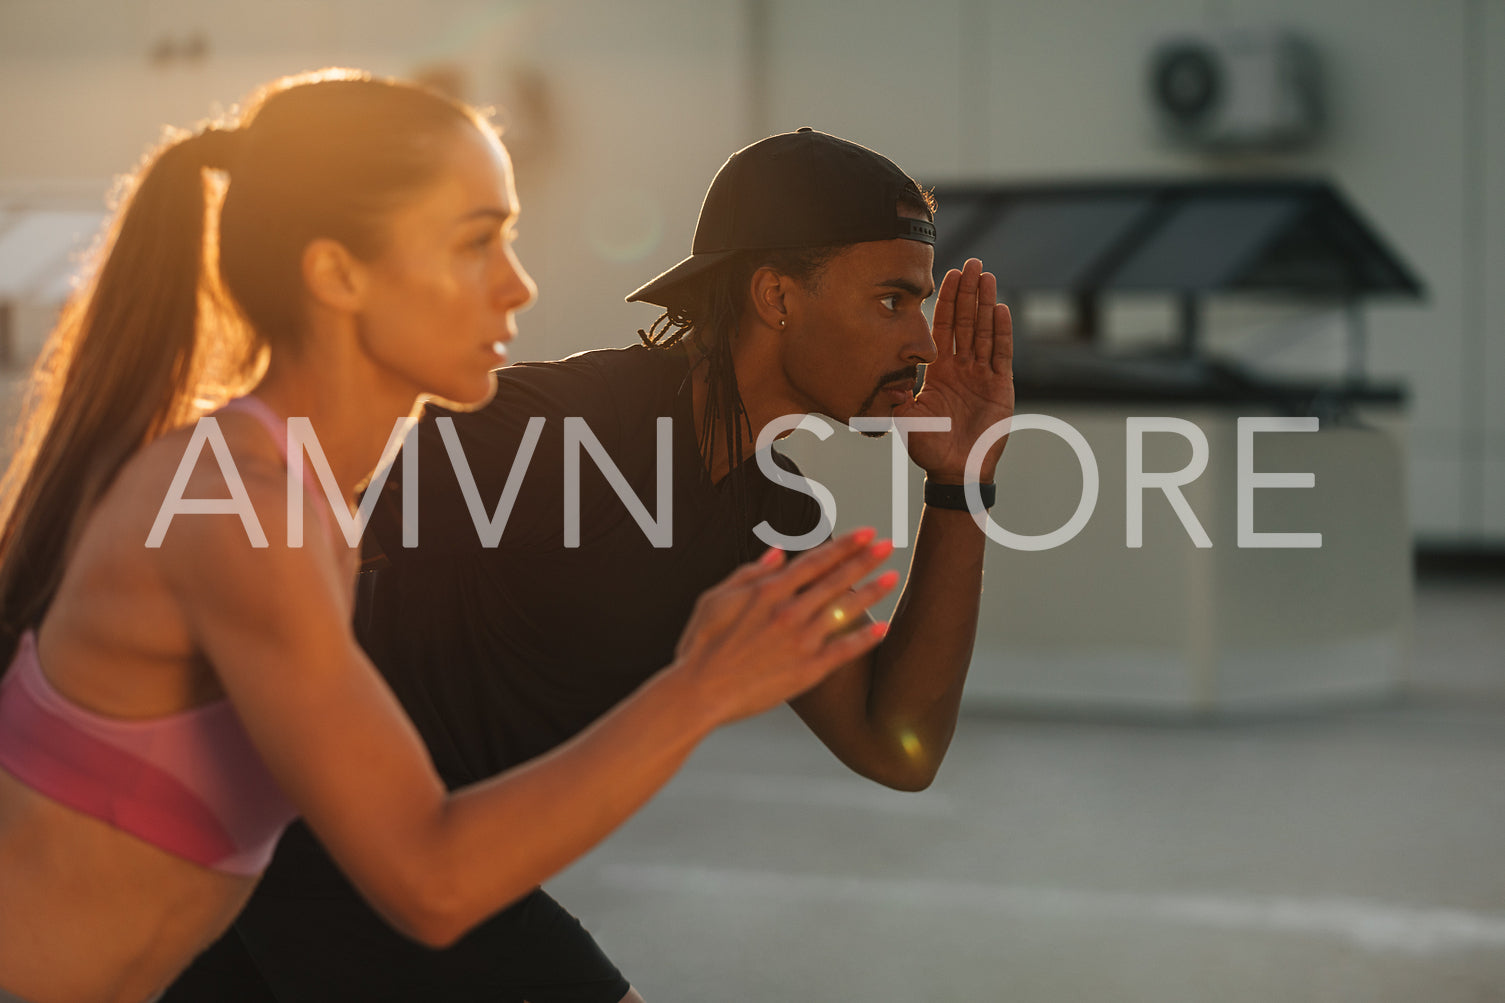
{"x":98,"y":915}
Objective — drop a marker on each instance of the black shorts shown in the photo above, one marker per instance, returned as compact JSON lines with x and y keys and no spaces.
{"x":326,"y":950}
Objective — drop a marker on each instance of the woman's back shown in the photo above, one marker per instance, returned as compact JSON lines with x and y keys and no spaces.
{"x":116,"y":646}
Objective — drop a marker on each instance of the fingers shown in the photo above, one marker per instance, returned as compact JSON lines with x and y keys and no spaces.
{"x":771,"y":561}
{"x":722,"y":603}
{"x":964,"y":322}
{"x":748,"y":574}
{"x":848,"y":610}
{"x":816,"y":600}
{"x":841,"y":649}
{"x":814,"y":564}
{"x":942,"y":329}
{"x":970,"y":323}
{"x":987,"y":308}
{"x":755,"y":640}
{"x":1003,"y":340}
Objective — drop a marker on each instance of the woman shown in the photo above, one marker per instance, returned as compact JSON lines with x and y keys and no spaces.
{"x":169,"y":708}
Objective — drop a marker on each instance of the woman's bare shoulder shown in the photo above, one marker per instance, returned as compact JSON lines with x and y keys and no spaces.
{"x":177,"y":520}
{"x":196,"y":484}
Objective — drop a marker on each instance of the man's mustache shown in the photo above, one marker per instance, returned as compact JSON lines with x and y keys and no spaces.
{"x":909,"y":375}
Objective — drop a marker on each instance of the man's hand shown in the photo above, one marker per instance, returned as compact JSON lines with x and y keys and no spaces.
{"x":972,"y":379}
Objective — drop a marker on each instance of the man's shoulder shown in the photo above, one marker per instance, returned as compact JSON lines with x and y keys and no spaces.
{"x":599,"y":363}
{"x":579,"y":383}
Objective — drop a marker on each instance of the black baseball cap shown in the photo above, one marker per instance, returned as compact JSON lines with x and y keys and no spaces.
{"x":795,"y":189}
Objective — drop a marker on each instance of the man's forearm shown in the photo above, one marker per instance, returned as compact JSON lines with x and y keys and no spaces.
{"x":890,"y":716}
{"x":917,"y":675}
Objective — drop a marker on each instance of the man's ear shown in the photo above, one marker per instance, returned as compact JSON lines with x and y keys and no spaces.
{"x":768,"y":296}
{"x":334,"y":277}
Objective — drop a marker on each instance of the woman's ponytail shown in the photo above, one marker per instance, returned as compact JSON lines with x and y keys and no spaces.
{"x":198,"y":278}
{"x":125,"y":363}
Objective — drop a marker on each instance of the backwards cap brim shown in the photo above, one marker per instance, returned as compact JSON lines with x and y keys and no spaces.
{"x":660,"y":290}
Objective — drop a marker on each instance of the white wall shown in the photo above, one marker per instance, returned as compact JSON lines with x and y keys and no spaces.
{"x":646,"y":99}
{"x":1487,"y":351}
{"x":643,"y":106}
{"x":1019,"y":89}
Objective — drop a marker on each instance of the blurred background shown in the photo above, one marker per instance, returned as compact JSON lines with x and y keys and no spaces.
{"x":1184,"y":772}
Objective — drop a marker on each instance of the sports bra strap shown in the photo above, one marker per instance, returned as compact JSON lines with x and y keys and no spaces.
{"x":276,"y":427}
{"x":257,"y":408}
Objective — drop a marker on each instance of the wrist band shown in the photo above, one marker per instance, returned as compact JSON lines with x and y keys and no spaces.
{"x":954,"y":496}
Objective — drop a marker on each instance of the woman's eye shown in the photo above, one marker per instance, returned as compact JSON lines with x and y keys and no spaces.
{"x":486,"y":239}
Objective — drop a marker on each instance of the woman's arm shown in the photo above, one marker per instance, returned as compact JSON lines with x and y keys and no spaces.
{"x":274,"y":624}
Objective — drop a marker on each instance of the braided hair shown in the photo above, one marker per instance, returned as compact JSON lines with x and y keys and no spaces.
{"x":707,"y":314}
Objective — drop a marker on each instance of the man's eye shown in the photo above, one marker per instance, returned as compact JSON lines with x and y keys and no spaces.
{"x":890,"y":302}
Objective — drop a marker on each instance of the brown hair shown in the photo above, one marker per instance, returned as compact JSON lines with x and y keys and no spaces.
{"x":197,"y":277}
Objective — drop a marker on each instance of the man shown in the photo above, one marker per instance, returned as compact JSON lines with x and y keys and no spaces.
{"x":812,"y":257}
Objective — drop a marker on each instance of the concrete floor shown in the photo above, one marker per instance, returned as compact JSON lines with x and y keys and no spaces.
{"x":1356,"y":854}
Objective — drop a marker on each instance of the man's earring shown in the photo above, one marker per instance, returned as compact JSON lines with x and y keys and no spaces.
{"x":781,"y":323}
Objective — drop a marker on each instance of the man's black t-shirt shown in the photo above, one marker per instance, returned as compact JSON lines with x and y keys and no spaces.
{"x":501,"y":653}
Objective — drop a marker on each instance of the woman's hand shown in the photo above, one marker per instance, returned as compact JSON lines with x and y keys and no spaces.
{"x":769,"y":632}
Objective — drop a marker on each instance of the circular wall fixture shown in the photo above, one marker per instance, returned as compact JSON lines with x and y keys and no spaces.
{"x":1187,"y":82}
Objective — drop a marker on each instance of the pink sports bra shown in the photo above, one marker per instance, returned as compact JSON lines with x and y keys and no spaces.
{"x":190,"y":783}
